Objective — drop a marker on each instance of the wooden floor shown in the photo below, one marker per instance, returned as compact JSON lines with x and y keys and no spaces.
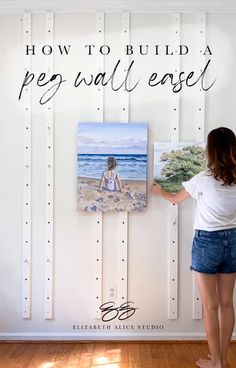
{"x":106,"y":355}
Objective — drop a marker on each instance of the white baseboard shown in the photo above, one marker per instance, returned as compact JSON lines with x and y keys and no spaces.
{"x":93,"y":337}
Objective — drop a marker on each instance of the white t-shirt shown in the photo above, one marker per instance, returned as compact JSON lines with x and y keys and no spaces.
{"x":216,"y":203}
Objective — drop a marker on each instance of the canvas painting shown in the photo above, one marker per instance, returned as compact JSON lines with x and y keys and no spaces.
{"x":111,"y":167}
{"x":177,"y":162}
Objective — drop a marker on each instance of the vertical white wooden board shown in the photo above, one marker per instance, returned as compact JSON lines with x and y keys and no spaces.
{"x":98,"y":217}
{"x":26,"y":174}
{"x":173,"y":262}
{"x":49,"y":169}
{"x":122,"y":282}
{"x":173,"y":209}
{"x":176,"y":69}
{"x":199,"y":114}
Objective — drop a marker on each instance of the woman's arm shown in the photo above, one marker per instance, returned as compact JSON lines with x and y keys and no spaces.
{"x":171,"y":197}
{"x":101,"y":182}
{"x":119,"y":182}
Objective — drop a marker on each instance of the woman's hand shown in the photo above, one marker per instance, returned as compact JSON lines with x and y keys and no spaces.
{"x":171,"y":197}
{"x":156,"y":188}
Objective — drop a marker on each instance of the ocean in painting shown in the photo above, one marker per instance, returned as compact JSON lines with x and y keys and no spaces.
{"x":129,"y":166}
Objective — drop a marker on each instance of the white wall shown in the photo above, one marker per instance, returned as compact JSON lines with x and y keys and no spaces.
{"x":148,"y":232}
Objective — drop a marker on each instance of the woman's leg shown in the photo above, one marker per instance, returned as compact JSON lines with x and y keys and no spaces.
{"x":225,"y":289}
{"x":207,"y":284}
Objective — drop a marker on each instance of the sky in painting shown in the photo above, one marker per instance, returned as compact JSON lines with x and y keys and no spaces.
{"x":112,"y":138}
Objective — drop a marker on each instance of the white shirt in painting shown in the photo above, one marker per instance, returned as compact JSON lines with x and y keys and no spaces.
{"x":216,"y":203}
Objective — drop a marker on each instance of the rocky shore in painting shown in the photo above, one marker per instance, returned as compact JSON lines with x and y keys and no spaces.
{"x":91,"y":199}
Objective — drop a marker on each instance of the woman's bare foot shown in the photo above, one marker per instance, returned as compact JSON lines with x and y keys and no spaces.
{"x":207,"y":363}
{"x":223,"y":363}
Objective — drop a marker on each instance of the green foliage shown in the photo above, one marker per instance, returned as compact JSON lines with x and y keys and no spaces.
{"x":181,"y":165}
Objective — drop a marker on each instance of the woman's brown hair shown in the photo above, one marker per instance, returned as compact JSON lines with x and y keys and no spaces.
{"x":111,"y":163}
{"x":221,"y":155}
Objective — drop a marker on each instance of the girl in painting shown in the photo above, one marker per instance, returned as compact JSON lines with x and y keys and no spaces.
{"x":110,"y":178}
{"x":214,"y":242}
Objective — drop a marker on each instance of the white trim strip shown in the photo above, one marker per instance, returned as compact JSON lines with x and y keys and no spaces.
{"x":98,"y":235}
{"x":49,"y":169}
{"x":199,"y":113}
{"x":118,"y":336}
{"x":27,"y":191}
{"x":123,"y":217}
{"x":173,"y":209}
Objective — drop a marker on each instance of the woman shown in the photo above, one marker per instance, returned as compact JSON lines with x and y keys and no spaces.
{"x":214,"y":243}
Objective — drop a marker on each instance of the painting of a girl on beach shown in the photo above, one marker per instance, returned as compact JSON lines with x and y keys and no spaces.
{"x":111,"y":167}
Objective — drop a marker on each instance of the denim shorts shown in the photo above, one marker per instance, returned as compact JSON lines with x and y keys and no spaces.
{"x":214,"y":251}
